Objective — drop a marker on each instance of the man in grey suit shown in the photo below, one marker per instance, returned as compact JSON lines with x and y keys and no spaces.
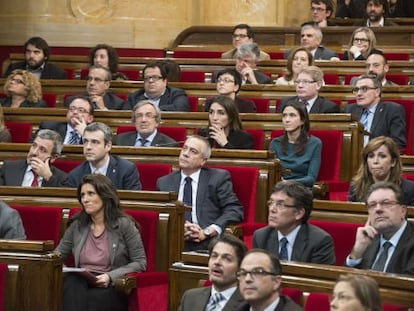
{"x":36,"y":170}
{"x":146,"y":117}
{"x":308,"y":84}
{"x":226,"y":253}
{"x":208,"y":191}
{"x":378,"y":118}
{"x":97,"y":144}
{"x":11,"y":225}
{"x":80,"y":113}
{"x":288,"y":235}
{"x":386,"y":241}
{"x":311,"y":38}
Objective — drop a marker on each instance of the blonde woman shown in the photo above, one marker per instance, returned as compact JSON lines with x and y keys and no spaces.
{"x":23,"y":89}
{"x":362,"y":43}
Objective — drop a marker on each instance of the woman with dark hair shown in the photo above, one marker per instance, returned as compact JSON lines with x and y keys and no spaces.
{"x":380,"y":162}
{"x":105,"y":242}
{"x":224,"y":126}
{"x":356,"y":293}
{"x":23,"y":89}
{"x":228,"y":83}
{"x":298,"y":152}
{"x":298,"y":59}
{"x":106,"y":56}
{"x":361,"y":44}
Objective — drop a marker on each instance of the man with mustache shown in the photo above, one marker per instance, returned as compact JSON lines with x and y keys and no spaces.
{"x":37,"y":55}
{"x":36,"y":170}
{"x":226,"y":253}
{"x":376,"y":11}
{"x":386,"y":241}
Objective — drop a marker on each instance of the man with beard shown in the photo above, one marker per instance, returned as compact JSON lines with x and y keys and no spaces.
{"x":386,"y":241}
{"x":97,"y":144}
{"x":79,"y":115}
{"x":37,"y":55}
{"x":36,"y":170}
{"x":377,"y":65}
{"x":376,"y":11}
{"x":97,"y":89}
{"x":226,"y":253}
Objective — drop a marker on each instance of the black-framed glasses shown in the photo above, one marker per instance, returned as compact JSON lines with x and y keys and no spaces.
{"x":319,"y":10}
{"x":305,"y":82}
{"x":255,"y":273}
{"x":363,"y":89}
{"x":225,"y":80}
{"x":386,"y":204}
{"x":280,"y":205}
{"x":152,"y":78}
{"x":361,"y":40}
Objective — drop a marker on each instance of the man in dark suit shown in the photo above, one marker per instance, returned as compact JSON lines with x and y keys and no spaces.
{"x":376,"y":10}
{"x":209,"y":191}
{"x":288,"y":235}
{"x":260,"y":280}
{"x":158,"y":92}
{"x":311,"y":38}
{"x":79,"y":115}
{"x":226,"y":253}
{"x":377,"y":65}
{"x":97,"y":143}
{"x":308,"y":84}
{"x":378,"y":118}
{"x":36,"y":170}
{"x":97,"y":89}
{"x":37,"y":55}
{"x":247,"y":57}
{"x":146,"y":117}
{"x":386,"y":241}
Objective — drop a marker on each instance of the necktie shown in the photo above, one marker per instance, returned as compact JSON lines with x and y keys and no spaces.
{"x":74,"y":138}
{"x":283,"y":254}
{"x":188,"y":196}
{"x":214,"y":301}
{"x":379,"y":265}
{"x":143,"y":142}
{"x":364,"y":119}
{"x":35,"y":182}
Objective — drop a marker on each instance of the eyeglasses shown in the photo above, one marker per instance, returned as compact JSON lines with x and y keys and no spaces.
{"x":18,"y":81}
{"x":319,"y":10}
{"x":305,"y":82}
{"x":341,"y":298}
{"x":225,"y":80}
{"x":386,"y":204}
{"x":361,"y":40}
{"x":148,"y":115}
{"x":90,"y":79}
{"x":79,"y":109}
{"x":280,"y":205}
{"x":255,"y":273}
{"x":363,"y":89}
{"x":152,"y":78}
{"x":241,"y":36}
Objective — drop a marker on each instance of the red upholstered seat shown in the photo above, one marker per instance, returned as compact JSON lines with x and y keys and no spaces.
{"x":3,"y":275}
{"x":276,"y":55}
{"x":150,"y":172}
{"x":20,"y":132}
{"x":70,"y":73}
{"x":348,"y":77}
{"x":197,"y":54}
{"x":331,"y":78}
{"x":295,"y":294}
{"x":258,"y":137}
{"x":393,"y":307}
{"x":50,"y":99}
{"x":131,"y":74}
{"x":193,"y":100}
{"x":262,"y":104}
{"x":41,"y":222}
{"x":179,"y":134}
{"x":317,"y":302}
{"x":397,"y":56}
{"x":84,"y":73}
{"x":400,"y":79}
{"x":248,"y":231}
{"x":343,"y":235}
{"x":338,"y":190}
{"x":244,"y":186}
{"x":66,"y":165}
{"x":193,"y":76}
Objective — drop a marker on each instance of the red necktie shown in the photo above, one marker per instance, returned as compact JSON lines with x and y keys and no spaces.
{"x":35,"y":183}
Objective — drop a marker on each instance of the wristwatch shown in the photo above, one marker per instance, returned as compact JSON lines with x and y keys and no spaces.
{"x":207,"y":232}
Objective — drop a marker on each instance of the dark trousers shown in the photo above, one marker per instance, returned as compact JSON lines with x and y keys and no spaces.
{"x":78,"y":295}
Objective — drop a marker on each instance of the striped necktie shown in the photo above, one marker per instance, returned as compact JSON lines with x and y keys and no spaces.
{"x":214,"y":301}
{"x":283,"y":254}
{"x":74,"y":138}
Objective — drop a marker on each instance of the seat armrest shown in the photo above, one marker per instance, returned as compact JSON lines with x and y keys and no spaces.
{"x":126,"y":283}
{"x":235,"y":230}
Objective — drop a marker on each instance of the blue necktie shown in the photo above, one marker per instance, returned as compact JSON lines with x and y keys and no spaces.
{"x":144,"y":142}
{"x":188,"y":197}
{"x":214,"y":301}
{"x":283,"y":254}
{"x":74,"y":138}
{"x":379,"y":265}
{"x":364,"y":121}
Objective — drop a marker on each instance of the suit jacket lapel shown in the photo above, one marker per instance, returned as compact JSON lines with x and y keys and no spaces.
{"x":202,"y":190}
{"x":22,"y":166}
{"x":131,"y":139}
{"x":316,"y":107}
{"x":235,"y":302}
{"x":300,"y":244}
{"x":112,"y":170}
{"x":405,"y":238}
{"x":377,"y":116}
{"x":201,"y":303}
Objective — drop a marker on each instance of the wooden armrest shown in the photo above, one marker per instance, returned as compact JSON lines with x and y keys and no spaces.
{"x":126,"y":283}
{"x":235,"y":230}
{"x":320,"y":190}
